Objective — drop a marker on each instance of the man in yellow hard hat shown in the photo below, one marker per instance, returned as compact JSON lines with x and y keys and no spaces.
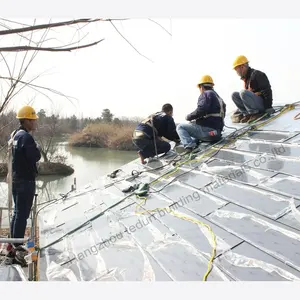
{"x":256,"y":97}
{"x":207,"y":121}
{"x":25,"y":155}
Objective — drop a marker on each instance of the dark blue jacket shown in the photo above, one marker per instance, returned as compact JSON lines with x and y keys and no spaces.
{"x":208,"y":103}
{"x":25,"y":155}
{"x":164,"y":124}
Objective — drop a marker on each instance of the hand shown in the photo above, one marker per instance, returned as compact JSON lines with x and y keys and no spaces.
{"x":38,"y":146}
{"x":187,"y":117}
{"x":257,"y":93}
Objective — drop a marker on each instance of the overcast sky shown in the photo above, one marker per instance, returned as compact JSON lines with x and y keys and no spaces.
{"x":113,"y":75}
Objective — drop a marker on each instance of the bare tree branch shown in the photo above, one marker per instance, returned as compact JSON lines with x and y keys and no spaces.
{"x":160,"y":26}
{"x":27,"y":48}
{"x":126,"y":41}
{"x":51,"y":25}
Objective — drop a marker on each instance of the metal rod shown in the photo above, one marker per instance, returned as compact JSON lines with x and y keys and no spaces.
{"x":32,"y":236}
{"x":13,"y":240}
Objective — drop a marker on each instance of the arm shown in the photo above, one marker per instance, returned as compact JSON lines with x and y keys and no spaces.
{"x":201,"y":110}
{"x":171,"y":132}
{"x":264,"y":87}
{"x":32,"y":153}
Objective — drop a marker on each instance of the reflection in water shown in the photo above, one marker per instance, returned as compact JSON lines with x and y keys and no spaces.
{"x":89,"y":165}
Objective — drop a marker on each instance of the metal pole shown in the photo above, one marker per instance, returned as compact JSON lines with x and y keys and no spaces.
{"x":35,"y":232}
{"x":13,"y":240}
{"x":32,"y":235}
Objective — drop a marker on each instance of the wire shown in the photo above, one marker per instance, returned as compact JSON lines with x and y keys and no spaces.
{"x":235,"y":137}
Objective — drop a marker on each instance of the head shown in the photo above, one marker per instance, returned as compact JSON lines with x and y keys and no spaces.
{"x":167,"y":109}
{"x":28,"y":118}
{"x":241,"y":65}
{"x":205,"y":83}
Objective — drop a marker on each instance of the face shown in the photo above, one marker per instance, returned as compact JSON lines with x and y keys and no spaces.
{"x":170,"y":113}
{"x":31,"y":125}
{"x":241,"y":70}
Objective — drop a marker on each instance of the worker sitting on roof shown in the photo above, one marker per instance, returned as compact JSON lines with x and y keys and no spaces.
{"x":209,"y":117}
{"x":148,"y":134}
{"x":256,"y":97}
{"x":25,"y":155}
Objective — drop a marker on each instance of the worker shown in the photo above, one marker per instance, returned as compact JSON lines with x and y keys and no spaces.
{"x":148,"y":135}
{"x":207,"y":121}
{"x":256,"y":98}
{"x":25,"y":155}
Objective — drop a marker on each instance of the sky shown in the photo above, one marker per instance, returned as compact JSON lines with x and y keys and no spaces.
{"x":113,"y":75}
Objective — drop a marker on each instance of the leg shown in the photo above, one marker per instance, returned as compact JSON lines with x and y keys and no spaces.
{"x":236,"y":98}
{"x":253,"y":103}
{"x":146,"y":148}
{"x":191,"y":132}
{"x":162,"y":146}
{"x":187,"y":134}
{"x":24,"y":194}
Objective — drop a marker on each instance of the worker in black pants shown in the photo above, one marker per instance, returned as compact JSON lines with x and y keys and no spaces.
{"x":148,"y":134}
{"x":25,"y":155}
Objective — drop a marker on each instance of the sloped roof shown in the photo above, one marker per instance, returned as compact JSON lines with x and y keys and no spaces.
{"x":248,"y":192}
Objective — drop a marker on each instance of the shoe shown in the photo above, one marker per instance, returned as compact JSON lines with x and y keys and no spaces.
{"x":188,"y":150}
{"x":21,"y":252}
{"x":245,"y":119}
{"x":255,"y":117}
{"x":236,"y":117}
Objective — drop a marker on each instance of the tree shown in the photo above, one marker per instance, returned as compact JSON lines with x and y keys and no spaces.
{"x":107,"y":116}
{"x":41,"y":114}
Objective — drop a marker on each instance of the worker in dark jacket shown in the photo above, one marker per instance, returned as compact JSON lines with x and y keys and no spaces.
{"x":256,"y":97}
{"x":208,"y":117}
{"x":149,"y":133}
{"x":25,"y":155}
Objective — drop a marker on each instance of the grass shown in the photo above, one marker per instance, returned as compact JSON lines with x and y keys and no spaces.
{"x":105,"y":135}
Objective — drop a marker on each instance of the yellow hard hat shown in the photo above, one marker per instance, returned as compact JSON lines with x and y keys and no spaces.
{"x":205,"y":79}
{"x":240,"y":60}
{"x":27,"y":112}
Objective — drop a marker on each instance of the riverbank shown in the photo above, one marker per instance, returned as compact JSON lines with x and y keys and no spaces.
{"x":45,"y":169}
{"x":105,"y":135}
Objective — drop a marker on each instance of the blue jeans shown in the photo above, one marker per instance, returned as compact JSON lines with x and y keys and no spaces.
{"x":189,"y":133}
{"x":247,"y":102}
{"x":23,"y":194}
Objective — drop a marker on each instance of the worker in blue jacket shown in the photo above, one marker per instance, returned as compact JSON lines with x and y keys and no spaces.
{"x":207,"y":121}
{"x":25,"y":155}
{"x":148,"y":134}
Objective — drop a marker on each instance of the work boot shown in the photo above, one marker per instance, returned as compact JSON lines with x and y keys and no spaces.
{"x":21,"y":252}
{"x":245,"y":119}
{"x":188,"y":150}
{"x":255,"y":117}
{"x":236,"y":117}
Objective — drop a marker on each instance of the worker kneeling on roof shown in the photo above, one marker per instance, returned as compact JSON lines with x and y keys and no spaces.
{"x":256,"y":98}
{"x":148,"y":134}
{"x":208,"y":118}
{"x":25,"y":155}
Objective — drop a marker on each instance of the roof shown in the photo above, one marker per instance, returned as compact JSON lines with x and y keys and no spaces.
{"x":246,"y":191}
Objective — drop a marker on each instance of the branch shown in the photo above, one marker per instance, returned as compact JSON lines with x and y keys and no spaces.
{"x":27,"y":48}
{"x":126,"y":41}
{"x":43,"y":26}
{"x":160,"y":26}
